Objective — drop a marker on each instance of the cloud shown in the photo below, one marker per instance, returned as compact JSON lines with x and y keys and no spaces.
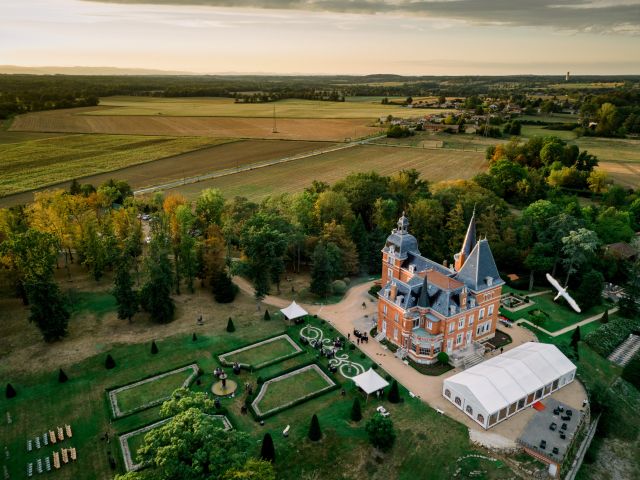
{"x":594,"y":16}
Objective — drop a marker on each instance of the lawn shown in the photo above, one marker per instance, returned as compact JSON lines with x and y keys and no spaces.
{"x":226,"y":107}
{"x":281,"y":391}
{"x":295,"y":176}
{"x":37,"y":163}
{"x":558,"y":315}
{"x":151,"y":391}
{"x":262,"y":353}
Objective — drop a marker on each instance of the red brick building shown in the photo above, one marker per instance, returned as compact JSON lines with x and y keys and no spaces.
{"x":425,"y":307}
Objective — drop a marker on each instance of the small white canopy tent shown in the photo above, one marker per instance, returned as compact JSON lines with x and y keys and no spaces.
{"x":370,"y":382}
{"x":294,"y":311}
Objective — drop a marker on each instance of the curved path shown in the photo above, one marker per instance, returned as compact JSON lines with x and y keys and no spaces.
{"x":349,"y":314}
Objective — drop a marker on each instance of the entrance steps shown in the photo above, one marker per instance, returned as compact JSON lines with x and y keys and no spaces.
{"x":471,"y":360}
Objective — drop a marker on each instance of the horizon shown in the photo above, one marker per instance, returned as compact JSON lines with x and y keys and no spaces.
{"x":321,"y":38}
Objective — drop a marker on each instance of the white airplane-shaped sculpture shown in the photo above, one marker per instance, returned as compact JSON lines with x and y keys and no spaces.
{"x":562,"y":292}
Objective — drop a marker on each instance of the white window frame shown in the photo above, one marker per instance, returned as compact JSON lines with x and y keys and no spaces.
{"x":384,"y":308}
{"x":459,"y":338}
{"x":471,"y":320}
{"x":452,"y":327}
{"x":461,"y":323}
{"x":395,"y":333}
{"x":396,"y":316}
{"x":481,"y":314}
{"x":429,"y":325}
{"x":490,"y":310}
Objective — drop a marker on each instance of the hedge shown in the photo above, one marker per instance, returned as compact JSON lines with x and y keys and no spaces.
{"x":609,"y":335}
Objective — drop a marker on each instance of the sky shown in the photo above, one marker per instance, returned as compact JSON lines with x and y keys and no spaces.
{"x":407,"y":37}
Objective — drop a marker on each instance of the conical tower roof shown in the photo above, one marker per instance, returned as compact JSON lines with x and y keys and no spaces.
{"x":423,"y":299}
{"x":470,"y":237}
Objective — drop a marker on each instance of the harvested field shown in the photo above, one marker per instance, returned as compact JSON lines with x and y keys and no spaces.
{"x":626,"y":174}
{"x":37,"y":163}
{"x":435,"y":165}
{"x":226,"y":107}
{"x":189,"y":164}
{"x":77,"y":121}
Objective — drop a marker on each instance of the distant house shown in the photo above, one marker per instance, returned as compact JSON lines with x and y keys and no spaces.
{"x":621,"y":251}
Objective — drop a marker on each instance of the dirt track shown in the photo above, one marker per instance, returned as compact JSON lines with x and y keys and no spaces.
{"x":72,"y":121}
{"x":167,"y":169}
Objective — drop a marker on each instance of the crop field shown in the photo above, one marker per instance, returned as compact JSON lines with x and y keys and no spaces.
{"x":37,"y":163}
{"x":197,"y":162}
{"x":75,"y":121}
{"x":294,"y":176}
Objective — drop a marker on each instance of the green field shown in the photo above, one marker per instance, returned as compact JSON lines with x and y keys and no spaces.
{"x":32,"y":164}
{"x":137,"y":397}
{"x":261,"y":354}
{"x":226,"y":107}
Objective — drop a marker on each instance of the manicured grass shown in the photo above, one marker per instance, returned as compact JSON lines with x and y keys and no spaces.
{"x":137,"y":397}
{"x":36,"y":163}
{"x":225,"y":107}
{"x":295,"y":386}
{"x":98,"y":303}
{"x":262,"y":353}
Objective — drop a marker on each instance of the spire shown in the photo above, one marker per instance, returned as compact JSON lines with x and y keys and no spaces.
{"x":403,"y":224}
{"x":468,"y":244}
{"x":423,"y":300}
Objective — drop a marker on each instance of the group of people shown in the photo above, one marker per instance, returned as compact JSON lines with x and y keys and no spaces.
{"x":360,"y":336}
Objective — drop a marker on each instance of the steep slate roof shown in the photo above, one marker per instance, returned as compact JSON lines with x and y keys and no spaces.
{"x":423,"y":300}
{"x":478,"y":267}
{"x":470,"y":237}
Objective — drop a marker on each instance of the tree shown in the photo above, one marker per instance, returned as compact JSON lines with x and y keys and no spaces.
{"x":443,"y":358}
{"x":230,"y":326}
{"x":315,"y":433}
{"x":126,"y":296}
{"x":185,"y":245}
{"x":155,"y":295}
{"x":224,"y":290}
{"x":356,"y":410}
{"x":608,"y":120}
{"x":320,"y":271}
{"x":62,"y":377}
{"x":209,"y":206}
{"x":597,"y":181}
{"x":381,"y":433}
{"x":539,"y":259}
{"x":605,"y":317}
{"x":48,"y":309}
{"x":394,"y":392}
{"x":109,"y":363}
{"x":629,"y":304}
{"x":268,"y":451}
{"x":578,"y":248}
{"x":184,"y":399}
{"x":631,"y":372}
{"x":589,"y":292}
{"x":575,"y":338}
{"x":192,"y":446}
{"x":332,"y":206}
{"x":252,"y":470}
{"x":267,"y":316}
{"x":154,"y":348}
{"x":10,"y":392}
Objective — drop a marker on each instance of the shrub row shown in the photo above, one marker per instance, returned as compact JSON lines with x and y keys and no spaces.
{"x":608,"y":336}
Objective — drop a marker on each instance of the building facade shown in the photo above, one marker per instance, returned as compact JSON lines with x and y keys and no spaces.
{"x":425,"y":307}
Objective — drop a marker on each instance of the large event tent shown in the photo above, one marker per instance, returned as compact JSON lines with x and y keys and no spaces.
{"x":370,"y":382}
{"x":503,"y":385}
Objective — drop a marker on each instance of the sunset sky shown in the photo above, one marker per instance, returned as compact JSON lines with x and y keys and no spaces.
{"x":326,"y":36}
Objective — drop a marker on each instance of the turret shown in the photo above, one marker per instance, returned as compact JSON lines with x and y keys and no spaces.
{"x":467,"y":245}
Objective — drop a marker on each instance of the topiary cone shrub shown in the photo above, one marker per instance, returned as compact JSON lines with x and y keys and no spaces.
{"x":315,"y":433}
{"x":194,"y":337}
{"x":268,"y":451}
{"x":230,"y":326}
{"x":267,"y":316}
{"x":109,"y":363}
{"x":356,"y":410}
{"x":10,"y":391}
{"x":62,"y":377}
{"x":394,"y":393}
{"x":154,"y":348}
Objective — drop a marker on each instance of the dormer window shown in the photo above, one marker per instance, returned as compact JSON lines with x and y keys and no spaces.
{"x":489,"y":281}
{"x":392,"y":249}
{"x":412,"y":268}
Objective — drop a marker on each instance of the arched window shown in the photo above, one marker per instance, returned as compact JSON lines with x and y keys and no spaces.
{"x":469,"y":410}
{"x":447,"y":393}
{"x":480,"y":418}
{"x":458,"y":401}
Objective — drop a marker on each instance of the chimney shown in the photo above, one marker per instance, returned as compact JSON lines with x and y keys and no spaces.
{"x":445,"y":263}
{"x":394,"y":292}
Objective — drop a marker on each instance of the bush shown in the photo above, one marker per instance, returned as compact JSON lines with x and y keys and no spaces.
{"x":266,"y":315}
{"x":268,"y":451}
{"x":346,"y":280}
{"x":338,"y":287}
{"x":373,"y":291}
{"x":363,"y":356}
{"x":356,"y":410}
{"x":605,"y":317}
{"x":230,"y":326}
{"x":394,"y":393}
{"x":154,"y":348}
{"x":10,"y":392}
{"x":194,"y":337}
{"x":374,"y":366}
{"x":631,"y":372}
{"x":443,"y":358}
{"x":109,"y":363}
{"x":315,"y":433}
{"x":352,"y":347}
{"x":224,"y":290}
{"x":609,"y":335}
{"x":381,"y":433}
{"x":62,"y":377}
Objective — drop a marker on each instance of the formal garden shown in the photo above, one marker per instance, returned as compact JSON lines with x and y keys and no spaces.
{"x":297,"y":371}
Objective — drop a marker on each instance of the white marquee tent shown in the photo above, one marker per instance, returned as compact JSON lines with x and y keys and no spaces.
{"x":370,"y":381}
{"x":294,"y":311}
{"x":503,"y":385}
